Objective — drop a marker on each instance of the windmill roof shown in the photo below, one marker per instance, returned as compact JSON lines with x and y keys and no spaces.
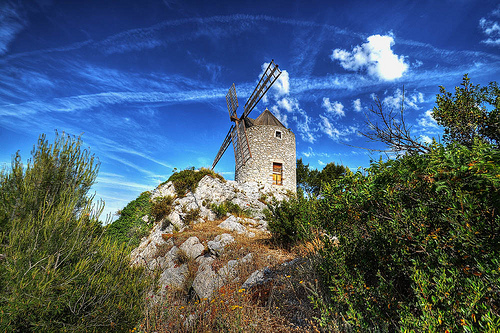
{"x":265,"y":118}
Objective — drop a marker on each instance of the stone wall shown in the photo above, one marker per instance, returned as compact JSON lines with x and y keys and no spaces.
{"x":267,"y":149}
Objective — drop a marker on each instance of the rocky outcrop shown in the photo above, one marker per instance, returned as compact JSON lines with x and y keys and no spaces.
{"x":216,"y":246}
{"x":191,"y":264}
{"x":250,"y":196}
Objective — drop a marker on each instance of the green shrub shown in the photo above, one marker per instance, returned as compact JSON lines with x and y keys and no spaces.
{"x":229,"y":207}
{"x":187,"y":180}
{"x":162,"y":207}
{"x":59,"y":272}
{"x":192,"y":215}
{"x":291,"y":221}
{"x":219,"y":210}
{"x":129,"y":228}
{"x":419,"y":243}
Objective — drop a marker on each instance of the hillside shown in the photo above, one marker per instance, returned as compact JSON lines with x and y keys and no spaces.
{"x":211,"y":253}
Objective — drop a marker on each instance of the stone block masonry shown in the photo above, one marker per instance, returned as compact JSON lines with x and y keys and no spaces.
{"x":269,"y":144}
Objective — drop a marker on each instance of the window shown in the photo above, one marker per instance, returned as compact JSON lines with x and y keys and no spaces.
{"x":277,"y":174}
{"x":277,"y":134}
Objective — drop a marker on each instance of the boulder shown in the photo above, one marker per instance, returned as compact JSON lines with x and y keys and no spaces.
{"x":174,"y":277}
{"x":206,"y":280}
{"x":192,"y":247}
{"x":259,"y":277}
{"x":232,"y":224}
{"x":164,"y":190}
{"x":216,"y":246}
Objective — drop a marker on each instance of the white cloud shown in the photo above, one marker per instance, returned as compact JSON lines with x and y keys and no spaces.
{"x":11,"y":23}
{"x":426,"y":139}
{"x":288,"y":104}
{"x":496,"y":11}
{"x":491,"y":27}
{"x":321,"y":162}
{"x":305,"y":132}
{"x":334,"y":133}
{"x":310,"y":152}
{"x":281,"y":86}
{"x":281,"y":117}
{"x":417,"y":63}
{"x":492,"y":30}
{"x":427,"y":121}
{"x":336,"y":107}
{"x":375,"y":56}
{"x":410,"y":99}
{"x":356,"y":104}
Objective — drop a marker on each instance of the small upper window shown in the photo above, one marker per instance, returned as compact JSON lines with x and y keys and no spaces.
{"x":277,"y":134}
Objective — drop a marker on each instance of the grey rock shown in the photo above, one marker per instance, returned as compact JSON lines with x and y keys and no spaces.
{"x":146,"y":250}
{"x":164,"y":190}
{"x":192,"y":247}
{"x":216,"y":246}
{"x":259,"y":277}
{"x":206,"y":280}
{"x":174,"y":277}
{"x":231,"y":224}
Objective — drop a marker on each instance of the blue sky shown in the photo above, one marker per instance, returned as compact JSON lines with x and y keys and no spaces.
{"x":145,"y":81}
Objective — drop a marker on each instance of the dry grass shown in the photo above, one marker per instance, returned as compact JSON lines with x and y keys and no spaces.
{"x":279,"y":306}
{"x":231,"y":310}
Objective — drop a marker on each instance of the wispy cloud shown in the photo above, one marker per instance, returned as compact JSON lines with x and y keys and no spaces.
{"x":333,"y":132}
{"x":491,"y":29}
{"x":335,"y":108}
{"x":411,"y":100}
{"x":356,"y":105}
{"x":85,"y":102}
{"x":11,"y":23}
{"x":114,"y":183}
{"x":214,"y":27}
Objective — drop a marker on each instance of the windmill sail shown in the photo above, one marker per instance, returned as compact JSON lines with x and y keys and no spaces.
{"x":232,"y":102}
{"x":240,"y":144}
{"x":223,"y":148}
{"x":237,"y":133}
{"x":266,"y":81}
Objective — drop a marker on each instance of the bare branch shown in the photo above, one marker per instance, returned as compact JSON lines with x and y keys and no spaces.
{"x":392,"y":130}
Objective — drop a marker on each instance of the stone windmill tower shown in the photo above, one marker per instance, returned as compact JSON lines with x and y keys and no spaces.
{"x":264,"y":149}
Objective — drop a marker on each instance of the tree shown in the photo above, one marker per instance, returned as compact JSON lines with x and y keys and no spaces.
{"x":393,"y":130}
{"x":312,"y":180}
{"x":471,"y":113}
{"x":58,"y":271}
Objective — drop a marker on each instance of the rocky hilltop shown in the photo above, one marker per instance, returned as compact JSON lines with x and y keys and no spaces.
{"x":196,"y":253}
{"x":158,"y":250}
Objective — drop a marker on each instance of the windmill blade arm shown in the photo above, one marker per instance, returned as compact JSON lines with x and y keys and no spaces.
{"x":223,"y":148}
{"x":232,"y":102}
{"x":270,"y":75}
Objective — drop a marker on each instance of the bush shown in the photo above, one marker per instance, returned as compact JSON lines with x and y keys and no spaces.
{"x":129,"y":228}
{"x":162,"y":207}
{"x":419,"y":243}
{"x":191,"y":215}
{"x":187,"y":180}
{"x":231,"y":208}
{"x":59,"y":272}
{"x":292,"y":221}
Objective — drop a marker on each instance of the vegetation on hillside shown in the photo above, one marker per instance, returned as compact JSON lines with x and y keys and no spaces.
{"x":58,"y":272}
{"x":311,"y":181}
{"x":188,"y":179}
{"x":419,"y":235}
{"x":129,"y":228}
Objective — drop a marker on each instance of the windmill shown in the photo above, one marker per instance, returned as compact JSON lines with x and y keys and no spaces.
{"x":237,"y":132}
